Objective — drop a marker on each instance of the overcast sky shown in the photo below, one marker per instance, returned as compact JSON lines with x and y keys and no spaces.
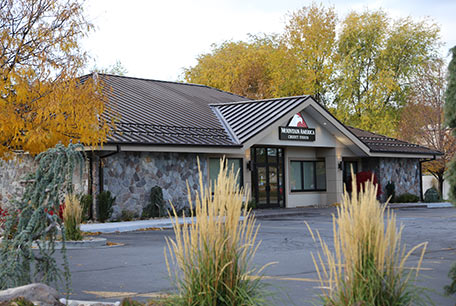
{"x":156,"y":39}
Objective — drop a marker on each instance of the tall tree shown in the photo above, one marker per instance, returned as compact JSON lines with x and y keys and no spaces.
{"x":377,"y":60}
{"x":310,"y":36}
{"x":240,"y":67}
{"x":361,"y":72}
{"x":42,"y":102}
{"x":422,"y":119}
{"x":450,"y":118}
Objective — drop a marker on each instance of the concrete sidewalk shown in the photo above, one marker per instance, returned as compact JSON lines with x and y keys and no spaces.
{"x":111,"y":227}
{"x":128,"y":226}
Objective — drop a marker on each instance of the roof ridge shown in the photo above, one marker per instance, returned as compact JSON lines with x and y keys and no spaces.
{"x":254,"y":101}
{"x":162,"y":81}
{"x":168,"y":126}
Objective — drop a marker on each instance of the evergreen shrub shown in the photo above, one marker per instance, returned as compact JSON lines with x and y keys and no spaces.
{"x":86,"y":201}
{"x":105,"y":201}
{"x":127,"y":215}
{"x":156,"y":206}
{"x":432,"y":195}
{"x":406,"y":198}
{"x":390,"y":190}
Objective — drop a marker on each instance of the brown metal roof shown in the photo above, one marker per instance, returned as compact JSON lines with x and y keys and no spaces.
{"x":247,"y":118}
{"x":161,"y":112}
{"x":383,"y":144}
{"x":151,"y":112}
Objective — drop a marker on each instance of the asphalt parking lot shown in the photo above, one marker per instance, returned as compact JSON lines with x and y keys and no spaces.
{"x":137,"y":267}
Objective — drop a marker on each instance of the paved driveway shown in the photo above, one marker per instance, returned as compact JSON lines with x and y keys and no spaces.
{"x":137,"y":268}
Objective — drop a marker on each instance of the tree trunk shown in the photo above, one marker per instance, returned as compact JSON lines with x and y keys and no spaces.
{"x":441,"y":179}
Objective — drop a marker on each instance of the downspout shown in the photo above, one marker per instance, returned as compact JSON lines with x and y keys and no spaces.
{"x":421,"y":175}
{"x":90,"y":184}
{"x":100,"y":168}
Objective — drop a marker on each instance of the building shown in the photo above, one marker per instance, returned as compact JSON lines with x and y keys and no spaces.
{"x":290,"y":151}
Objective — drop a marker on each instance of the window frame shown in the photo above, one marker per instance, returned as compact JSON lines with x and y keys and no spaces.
{"x":314,"y":162}
{"x":241,"y":169}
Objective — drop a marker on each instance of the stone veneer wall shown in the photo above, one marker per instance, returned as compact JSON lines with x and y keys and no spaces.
{"x":12,"y":172}
{"x":403,"y":172}
{"x":130,"y":176}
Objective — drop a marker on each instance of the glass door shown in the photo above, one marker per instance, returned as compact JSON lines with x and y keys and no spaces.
{"x":268,"y":177}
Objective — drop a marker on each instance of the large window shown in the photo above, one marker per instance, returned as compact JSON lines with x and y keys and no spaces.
{"x":307,"y":176}
{"x":232,"y":163}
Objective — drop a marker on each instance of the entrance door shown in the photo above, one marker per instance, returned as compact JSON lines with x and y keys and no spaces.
{"x":268,"y":176}
{"x":348,"y":167}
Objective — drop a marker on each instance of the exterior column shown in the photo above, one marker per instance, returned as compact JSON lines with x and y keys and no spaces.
{"x":334,"y":178}
{"x":95,"y":185}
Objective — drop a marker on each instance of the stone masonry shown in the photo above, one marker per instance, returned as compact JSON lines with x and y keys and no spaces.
{"x":129,"y":176}
{"x":13,"y":173}
{"x":403,"y":172}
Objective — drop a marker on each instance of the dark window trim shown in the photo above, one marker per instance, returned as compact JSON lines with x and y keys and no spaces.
{"x":241,"y":169}
{"x":280,"y":164}
{"x":301,"y":161}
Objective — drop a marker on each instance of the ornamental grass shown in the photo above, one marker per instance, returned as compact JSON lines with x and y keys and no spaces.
{"x":367,"y":264}
{"x":210,"y":257}
{"x":72,"y":217}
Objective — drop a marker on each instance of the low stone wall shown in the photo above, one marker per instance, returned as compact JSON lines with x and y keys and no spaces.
{"x":130,"y":176}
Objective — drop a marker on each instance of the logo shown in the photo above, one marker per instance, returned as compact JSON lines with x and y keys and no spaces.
{"x":298,"y":121}
{"x":297,"y":129}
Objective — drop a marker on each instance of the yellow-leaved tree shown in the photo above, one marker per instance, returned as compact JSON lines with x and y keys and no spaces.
{"x":42,"y":101}
{"x":378,"y":59}
{"x":361,"y":68}
{"x":310,"y":37}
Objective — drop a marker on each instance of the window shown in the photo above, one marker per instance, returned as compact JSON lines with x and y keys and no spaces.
{"x":307,"y":176}
{"x":214,"y":168}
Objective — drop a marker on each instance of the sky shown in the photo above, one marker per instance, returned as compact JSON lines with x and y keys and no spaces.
{"x":157,"y":39}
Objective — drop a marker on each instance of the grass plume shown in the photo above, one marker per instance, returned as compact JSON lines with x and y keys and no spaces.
{"x":367,"y":266}
{"x":210,"y":257}
{"x":72,"y":217}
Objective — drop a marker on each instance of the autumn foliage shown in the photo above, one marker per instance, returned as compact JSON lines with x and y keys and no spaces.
{"x":42,"y":101}
{"x":360,"y":67}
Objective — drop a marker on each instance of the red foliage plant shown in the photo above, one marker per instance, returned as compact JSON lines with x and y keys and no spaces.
{"x":3,"y":215}
{"x":362,"y":178}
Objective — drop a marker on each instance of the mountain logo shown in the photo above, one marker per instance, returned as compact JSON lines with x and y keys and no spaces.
{"x":298,"y":121}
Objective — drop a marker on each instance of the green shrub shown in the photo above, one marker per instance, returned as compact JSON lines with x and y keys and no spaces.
{"x":451,"y":289}
{"x":19,"y":301}
{"x":156,"y":206}
{"x":431,"y":195}
{"x":105,"y":202}
{"x":406,"y":198}
{"x":390,"y":190}
{"x":86,"y":201}
{"x":130,"y":302}
{"x":251,"y":204}
{"x":127,"y":215}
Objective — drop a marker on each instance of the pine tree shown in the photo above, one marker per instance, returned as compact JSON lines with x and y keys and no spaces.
{"x":36,"y":219}
{"x":450,"y":119}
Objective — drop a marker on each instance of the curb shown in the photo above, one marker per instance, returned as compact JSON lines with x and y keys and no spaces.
{"x":83,"y":244}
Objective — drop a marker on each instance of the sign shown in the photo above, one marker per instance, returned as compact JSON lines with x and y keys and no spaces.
{"x":296,"y":133}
